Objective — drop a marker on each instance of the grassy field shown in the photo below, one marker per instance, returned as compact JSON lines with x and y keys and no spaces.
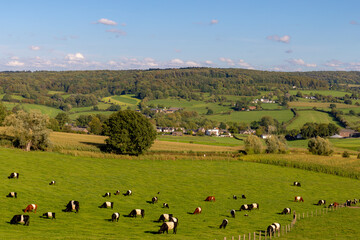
{"x":311,"y":116}
{"x":52,"y":112}
{"x":206,"y":140}
{"x":192,"y":180}
{"x":323,"y":105}
{"x":322,"y":92}
{"x":123,"y":100}
{"x":249,"y":116}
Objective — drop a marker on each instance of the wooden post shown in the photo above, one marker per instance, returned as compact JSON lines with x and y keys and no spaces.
{"x":254,"y":235}
{"x":232,"y":238}
{"x":244,"y":236}
{"x":249,"y":236}
{"x":279,"y":233}
{"x":260,"y":235}
{"x":224,"y":238}
{"x":303,"y":215}
{"x":265,"y":236}
{"x":239,"y":237}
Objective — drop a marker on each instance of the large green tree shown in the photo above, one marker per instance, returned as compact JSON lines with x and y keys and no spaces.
{"x":29,"y":130}
{"x":129,"y":133}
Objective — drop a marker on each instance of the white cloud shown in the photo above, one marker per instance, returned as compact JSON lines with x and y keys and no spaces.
{"x":333,"y":63}
{"x":74,"y":57}
{"x":177,"y":61}
{"x":227,"y":60}
{"x":14,"y":58}
{"x":106,"y":22}
{"x":14,"y":64}
{"x":208,"y":62}
{"x":244,"y":64}
{"x":35,"y":48}
{"x":301,"y":62}
{"x":118,"y":32}
{"x":214,"y":21}
{"x":192,"y":64}
{"x":283,"y":39}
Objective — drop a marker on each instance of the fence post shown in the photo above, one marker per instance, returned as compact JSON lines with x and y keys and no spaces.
{"x":279,"y":233}
{"x":249,"y":236}
{"x":254,"y":236}
{"x":260,"y":235}
{"x":244,"y":236}
{"x":239,"y":237}
{"x":224,"y":238}
{"x":303,"y":215}
{"x":232,"y":238}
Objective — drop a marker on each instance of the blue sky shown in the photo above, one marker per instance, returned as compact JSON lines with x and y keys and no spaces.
{"x":268,"y":35}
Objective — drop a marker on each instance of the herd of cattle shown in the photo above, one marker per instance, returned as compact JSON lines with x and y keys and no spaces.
{"x":169,"y":221}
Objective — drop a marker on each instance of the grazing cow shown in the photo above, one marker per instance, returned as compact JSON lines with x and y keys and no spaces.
{"x":154,"y":200}
{"x":232,"y":212}
{"x":271,"y":229}
{"x":107,"y":194}
{"x":13,"y":175}
{"x":117,"y":192}
{"x":197,"y":210}
{"x":137,"y":212}
{"x":298,"y":199}
{"x":253,"y":206}
{"x":72,"y":205}
{"x":210,"y":199}
{"x":165,"y":205}
{"x":49,"y":215}
{"x":174,"y":219}
{"x":165,"y":217}
{"x":166,"y":226}
{"x":348,"y":203}
{"x":12,"y":194}
{"x":243,"y":196}
{"x":244,"y":207}
{"x":107,"y":205}
{"x":25,"y":219}
{"x":30,"y":208}
{"x":355,"y":201}
{"x":297,"y":184}
{"x":115,"y":216}
{"x":286,"y":211}
{"x":234,"y":197}
{"x":52,"y":183}
{"x":334,"y":204}
{"x":128,"y":193}
{"x":321,"y":202}
{"x":224,"y":223}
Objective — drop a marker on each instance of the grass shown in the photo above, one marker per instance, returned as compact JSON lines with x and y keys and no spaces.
{"x":206,"y":140}
{"x":52,"y":112}
{"x":311,"y":116}
{"x":323,"y":105}
{"x":192,"y":180}
{"x":249,"y":116}
{"x":123,"y":100}
{"x":322,"y":92}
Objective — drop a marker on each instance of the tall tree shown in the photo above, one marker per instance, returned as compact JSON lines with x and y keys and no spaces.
{"x":29,"y":130}
{"x":129,"y":133}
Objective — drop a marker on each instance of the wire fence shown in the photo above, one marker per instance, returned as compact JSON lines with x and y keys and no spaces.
{"x":284,"y":229}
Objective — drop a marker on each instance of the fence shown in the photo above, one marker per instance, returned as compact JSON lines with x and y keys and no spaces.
{"x":283,"y":229}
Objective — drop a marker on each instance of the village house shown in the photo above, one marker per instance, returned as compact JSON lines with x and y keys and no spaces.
{"x":212,"y":132}
{"x":346,"y":132}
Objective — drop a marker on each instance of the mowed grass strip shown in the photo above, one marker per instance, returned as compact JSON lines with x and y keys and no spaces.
{"x":183,"y":184}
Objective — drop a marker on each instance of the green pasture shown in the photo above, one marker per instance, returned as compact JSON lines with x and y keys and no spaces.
{"x":52,"y":112}
{"x":347,"y":143}
{"x":311,"y":116}
{"x":100,"y":105}
{"x":206,"y":140}
{"x":249,"y":116}
{"x":123,"y":100}
{"x":182,"y":183}
{"x":73,"y":116}
{"x":322,"y":92}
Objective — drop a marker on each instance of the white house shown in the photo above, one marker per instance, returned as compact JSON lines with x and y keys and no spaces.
{"x":212,"y":132}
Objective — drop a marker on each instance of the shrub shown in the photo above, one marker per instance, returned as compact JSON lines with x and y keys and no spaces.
{"x":358,"y":156}
{"x":345,"y":154}
{"x":276,"y":144}
{"x":253,"y":144}
{"x":320,"y":146}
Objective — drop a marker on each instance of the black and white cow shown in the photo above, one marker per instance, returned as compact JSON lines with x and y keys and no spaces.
{"x":13,"y":175}
{"x":253,"y":206}
{"x":275,"y":227}
{"x":49,"y":215}
{"x":286,"y":211}
{"x":165,"y":205}
{"x":52,"y":183}
{"x":297,"y":184}
{"x":117,"y":192}
{"x":166,"y":226}
{"x":25,"y":219}
{"x":348,"y":203}
{"x":244,"y":207}
{"x":165,"y":217}
{"x":128,"y":193}
{"x":137,"y":212}
{"x":115,"y":216}
{"x":243,"y":196}
{"x":321,"y":202}
{"x":72,"y":205}
{"x":174,"y":219}
{"x":108,"y":194}
{"x":224,"y":223}
{"x":232,"y":212}
{"x":154,"y":200}
{"x":12,"y":194}
{"x":234,"y":197}
{"x":355,"y":201}
{"x":107,"y":205}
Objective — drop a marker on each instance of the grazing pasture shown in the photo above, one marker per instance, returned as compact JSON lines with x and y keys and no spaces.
{"x":311,"y":116}
{"x":249,"y":116}
{"x":86,"y":179}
